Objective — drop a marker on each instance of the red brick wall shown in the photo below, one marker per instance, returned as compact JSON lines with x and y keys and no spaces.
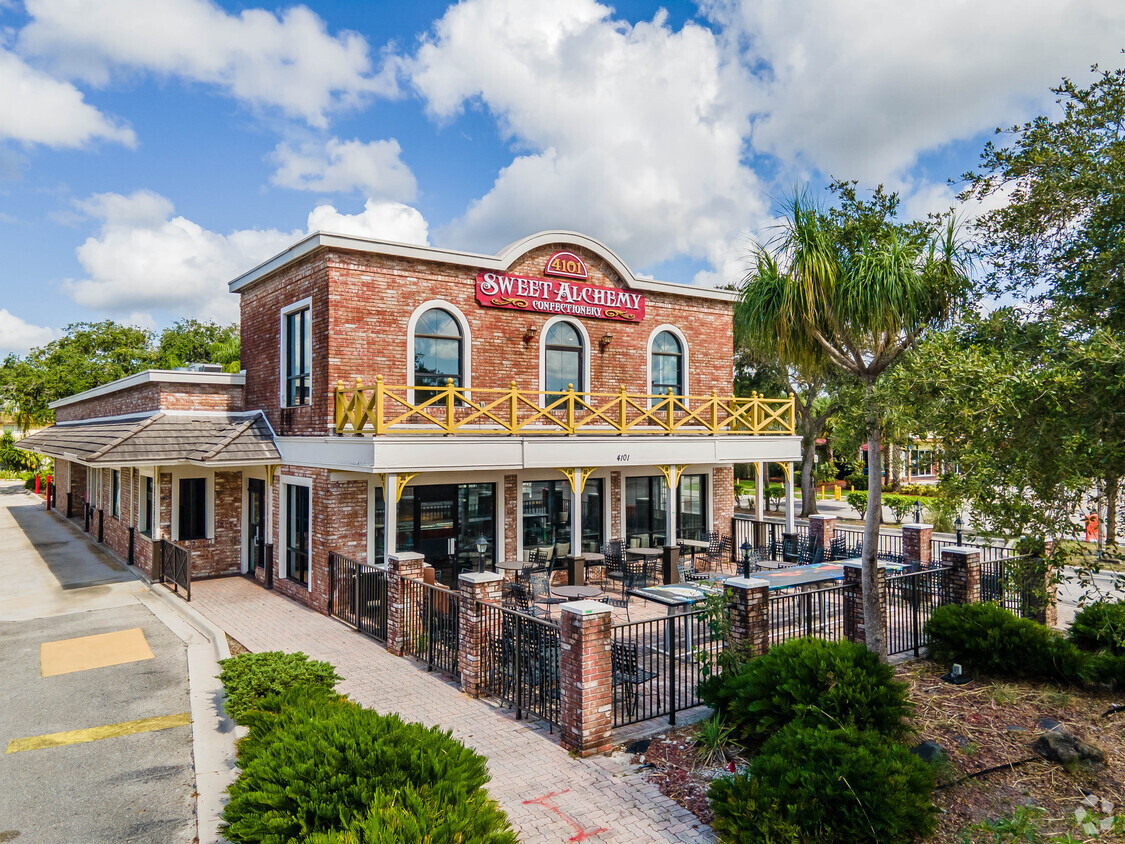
{"x":513,"y":501}
{"x":722,"y":498}
{"x":222,"y":553}
{"x":369,"y":299}
{"x":325,"y":528}
{"x":154,"y":396}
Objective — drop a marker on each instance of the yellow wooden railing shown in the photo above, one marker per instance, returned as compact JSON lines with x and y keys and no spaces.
{"x":384,"y":409}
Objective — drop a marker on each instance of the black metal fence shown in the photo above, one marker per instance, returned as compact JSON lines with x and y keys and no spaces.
{"x":656,"y":666}
{"x":431,"y":625}
{"x":1015,"y":583}
{"x":175,"y":567}
{"x":357,"y":595}
{"x":817,"y":613}
{"x":911,"y":599}
{"x":519,"y":662}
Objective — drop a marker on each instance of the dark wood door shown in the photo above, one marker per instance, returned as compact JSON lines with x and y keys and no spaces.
{"x":255,"y":523}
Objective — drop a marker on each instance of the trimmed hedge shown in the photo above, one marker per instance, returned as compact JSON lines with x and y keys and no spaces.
{"x":811,"y":682}
{"x":817,"y":785}
{"x":1099,"y":626}
{"x":250,"y":678}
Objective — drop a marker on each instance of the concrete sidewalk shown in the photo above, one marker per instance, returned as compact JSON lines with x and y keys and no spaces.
{"x":548,"y":795}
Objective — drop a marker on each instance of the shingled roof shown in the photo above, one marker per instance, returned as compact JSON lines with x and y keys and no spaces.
{"x":161,"y":438}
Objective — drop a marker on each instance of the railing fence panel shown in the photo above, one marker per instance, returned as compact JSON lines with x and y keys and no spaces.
{"x":520,"y":662}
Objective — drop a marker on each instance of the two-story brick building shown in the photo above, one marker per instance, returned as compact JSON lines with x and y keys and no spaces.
{"x":407,"y":398}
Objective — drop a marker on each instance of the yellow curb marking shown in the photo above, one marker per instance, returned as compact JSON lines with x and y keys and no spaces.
{"x":125,"y":728}
{"x":86,"y":652}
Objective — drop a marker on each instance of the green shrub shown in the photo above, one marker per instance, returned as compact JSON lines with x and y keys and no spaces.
{"x":815,"y":784}
{"x":858,"y":501}
{"x":901,"y":506}
{"x":316,"y":763}
{"x":812,"y":682}
{"x":1100,"y":625}
{"x":249,"y":678}
{"x":989,"y":639}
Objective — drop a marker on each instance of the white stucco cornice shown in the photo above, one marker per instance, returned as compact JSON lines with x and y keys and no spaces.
{"x":499,"y":262}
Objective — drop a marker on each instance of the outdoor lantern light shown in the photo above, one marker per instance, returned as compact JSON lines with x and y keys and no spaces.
{"x":957,"y":525}
{"x":745,"y":558}
{"x":603,"y":344}
{"x":529,"y":333}
{"x":917,"y":511}
{"x":482,"y":546}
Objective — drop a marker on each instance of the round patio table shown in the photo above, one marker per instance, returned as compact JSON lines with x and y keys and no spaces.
{"x":576,"y":593}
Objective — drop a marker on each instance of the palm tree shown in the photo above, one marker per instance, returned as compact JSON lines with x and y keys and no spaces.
{"x":852,"y":287}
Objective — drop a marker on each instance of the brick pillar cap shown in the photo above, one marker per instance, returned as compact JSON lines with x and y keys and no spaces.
{"x":585,"y":608}
{"x":858,"y":564}
{"x":918,"y":526}
{"x":747,"y":583}
{"x":820,"y":517}
{"x":961,"y":549}
{"x":479,"y":577}
{"x":405,"y":557}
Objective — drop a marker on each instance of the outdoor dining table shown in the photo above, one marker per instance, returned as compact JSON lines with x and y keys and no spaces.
{"x":792,"y":576}
{"x":674,"y":596}
{"x":577,"y":593}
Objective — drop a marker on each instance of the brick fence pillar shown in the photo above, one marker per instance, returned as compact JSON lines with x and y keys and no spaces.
{"x":475,"y":587}
{"x":964,"y":579}
{"x":917,"y":544}
{"x":399,"y":566}
{"x":586,"y":677}
{"x":822,"y":530}
{"x":749,"y":602}
{"x":855,"y":627}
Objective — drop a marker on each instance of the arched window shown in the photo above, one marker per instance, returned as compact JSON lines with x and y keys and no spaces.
{"x":563,"y":360}
{"x":439,"y":352}
{"x":667,"y":364}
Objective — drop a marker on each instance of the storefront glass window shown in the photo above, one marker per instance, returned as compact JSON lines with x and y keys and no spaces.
{"x":646,"y":517}
{"x":298,"y":357}
{"x":444,"y":523}
{"x":546,"y":516}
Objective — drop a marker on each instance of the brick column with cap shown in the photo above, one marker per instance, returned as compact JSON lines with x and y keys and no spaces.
{"x":586,"y":677}
{"x":475,"y":587}
{"x":749,"y":602}
{"x":855,"y":627}
{"x":917,"y":546}
{"x":399,"y":566}
{"x":964,"y":579}
{"x":822,"y":530}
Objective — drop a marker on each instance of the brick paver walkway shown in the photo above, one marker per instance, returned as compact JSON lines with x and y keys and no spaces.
{"x":549,"y":795}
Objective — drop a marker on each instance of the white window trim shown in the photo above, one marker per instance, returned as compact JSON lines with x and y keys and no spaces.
{"x":208,"y":476}
{"x":466,"y":342}
{"x":139,"y":483}
{"x":585,"y":337}
{"x":244,"y":525}
{"x":283,"y":526}
{"x":679,"y":335}
{"x":283,"y":346}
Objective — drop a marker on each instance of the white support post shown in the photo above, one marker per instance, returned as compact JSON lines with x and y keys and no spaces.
{"x":761,"y":481}
{"x":390,"y":515}
{"x":576,"y":515}
{"x":670,"y":512}
{"x":790,"y":509}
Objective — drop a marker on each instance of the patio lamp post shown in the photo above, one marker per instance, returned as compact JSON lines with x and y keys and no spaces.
{"x":482,"y":546}
{"x":957,"y":525}
{"x":917,"y":511}
{"x":745,"y":548}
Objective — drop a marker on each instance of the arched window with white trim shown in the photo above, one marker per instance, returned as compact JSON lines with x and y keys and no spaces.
{"x":564,"y":360}
{"x":667,"y":365}
{"x":439,"y":352}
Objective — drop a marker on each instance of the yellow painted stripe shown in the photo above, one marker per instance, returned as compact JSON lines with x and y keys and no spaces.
{"x":125,"y":728}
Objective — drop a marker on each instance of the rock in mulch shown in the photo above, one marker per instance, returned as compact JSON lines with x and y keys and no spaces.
{"x":929,"y":751}
{"x":1057,"y":745}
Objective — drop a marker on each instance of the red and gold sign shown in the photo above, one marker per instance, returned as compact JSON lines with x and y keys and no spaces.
{"x":553,"y":296}
{"x":565,"y":265}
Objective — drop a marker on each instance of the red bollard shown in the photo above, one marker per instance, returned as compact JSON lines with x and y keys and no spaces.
{"x":37,"y":484}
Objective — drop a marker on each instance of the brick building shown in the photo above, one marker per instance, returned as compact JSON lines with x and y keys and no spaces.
{"x":405,"y":398}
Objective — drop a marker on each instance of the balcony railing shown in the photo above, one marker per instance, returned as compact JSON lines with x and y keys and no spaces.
{"x":384,"y":409}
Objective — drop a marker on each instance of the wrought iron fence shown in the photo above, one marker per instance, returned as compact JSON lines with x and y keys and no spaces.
{"x":519,"y":662}
{"x":988,"y":551}
{"x":431,"y":624}
{"x":890,"y":544}
{"x":817,"y":613}
{"x":175,"y":567}
{"x":1015,"y":583}
{"x":656,"y":666}
{"x":357,"y":595}
{"x":911,"y":599}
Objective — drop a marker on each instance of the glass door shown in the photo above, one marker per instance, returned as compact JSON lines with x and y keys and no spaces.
{"x":446,"y":523}
{"x":255,"y":523}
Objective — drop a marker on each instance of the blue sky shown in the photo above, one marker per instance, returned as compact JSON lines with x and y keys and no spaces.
{"x":150,"y":150}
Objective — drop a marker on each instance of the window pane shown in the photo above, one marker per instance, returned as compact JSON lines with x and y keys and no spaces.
{"x":564,"y":334}
{"x":593,"y":512}
{"x":297,"y":533}
{"x":692,"y":518}
{"x":193,"y":510}
{"x":546,"y":514}
{"x":645,"y":514}
{"x":439,"y":323}
{"x":562,"y":368}
{"x":435,"y":360}
{"x":298,"y":354}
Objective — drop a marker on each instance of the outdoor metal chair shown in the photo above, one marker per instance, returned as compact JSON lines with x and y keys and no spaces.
{"x":541,"y":592}
{"x":616,"y":593}
{"x":628,"y":674}
{"x":837,"y":548}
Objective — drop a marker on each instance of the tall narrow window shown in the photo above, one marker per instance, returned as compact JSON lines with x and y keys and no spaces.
{"x":667,"y":364}
{"x":193,"y":508}
{"x":115,"y":495}
{"x":563,"y":360}
{"x":439,"y":352}
{"x":298,"y":357}
{"x":297,"y":533}
{"x":146,"y":508}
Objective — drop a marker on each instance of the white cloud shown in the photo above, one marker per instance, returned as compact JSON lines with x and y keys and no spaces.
{"x":37,"y":108}
{"x":632,"y":133}
{"x":343,"y":166}
{"x":17,"y":335}
{"x":379,"y":219}
{"x":287,"y":60}
{"x":145,"y":259}
{"x":860,"y":89}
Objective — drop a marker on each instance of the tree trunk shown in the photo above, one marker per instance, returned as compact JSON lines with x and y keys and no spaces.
{"x":896,"y":467}
{"x":883,"y":456}
{"x":1112,"y":488}
{"x":875,"y":624}
{"x":808,"y":490}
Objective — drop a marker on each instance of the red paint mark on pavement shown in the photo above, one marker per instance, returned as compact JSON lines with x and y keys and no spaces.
{"x":580,"y":833}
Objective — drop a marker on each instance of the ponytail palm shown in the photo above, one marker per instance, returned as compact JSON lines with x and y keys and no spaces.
{"x":853,"y":290}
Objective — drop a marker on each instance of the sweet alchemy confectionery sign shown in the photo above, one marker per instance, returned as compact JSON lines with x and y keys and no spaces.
{"x":556,"y":296}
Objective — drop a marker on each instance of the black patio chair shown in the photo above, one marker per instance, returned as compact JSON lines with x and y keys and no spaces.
{"x":628,"y":674}
{"x":541,"y":597}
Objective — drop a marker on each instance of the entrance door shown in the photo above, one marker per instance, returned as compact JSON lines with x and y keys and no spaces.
{"x":255,"y":523}
{"x":446,"y":523}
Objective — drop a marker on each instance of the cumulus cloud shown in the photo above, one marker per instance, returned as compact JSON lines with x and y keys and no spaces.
{"x":375,"y":168}
{"x":861,"y":89}
{"x":381,"y":220}
{"x":287,"y":60}
{"x":38,"y":109}
{"x":635,"y":133}
{"x":146,"y":259}
{"x":17,"y":335}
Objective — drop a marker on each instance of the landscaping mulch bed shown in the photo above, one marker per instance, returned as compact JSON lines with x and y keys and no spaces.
{"x":981,"y":725}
